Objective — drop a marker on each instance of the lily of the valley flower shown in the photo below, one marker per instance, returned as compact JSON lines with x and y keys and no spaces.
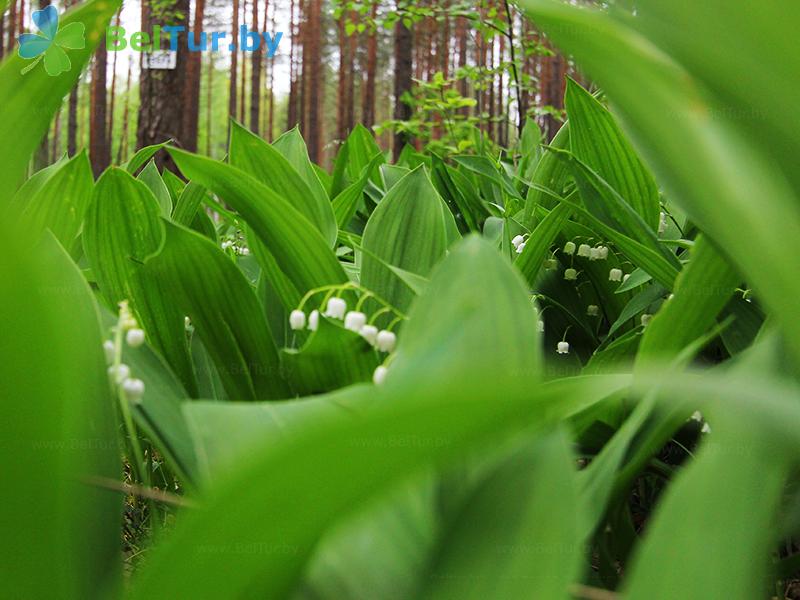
{"x":592,"y":310}
{"x":646,"y":319}
{"x":570,"y":275}
{"x":133,"y":389}
{"x":569,"y":248}
{"x":615,"y":275}
{"x":355,"y":320}
{"x":134,"y":338}
{"x":336,"y":308}
{"x":540,"y":326}
{"x":517,"y":241}
{"x":563,"y":348}
{"x":297,"y":320}
{"x":584,"y":250}
{"x":313,"y":320}
{"x":108,"y":348}
{"x":120,"y":373}
{"x":662,"y":222}
{"x":386,"y":341}
{"x":521,"y":248}
{"x":370,"y":333}
{"x":379,"y":376}
{"x":594,"y":254}
{"x":602,"y":252}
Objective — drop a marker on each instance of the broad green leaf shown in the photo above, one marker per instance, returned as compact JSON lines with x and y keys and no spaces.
{"x":30,"y":101}
{"x":537,"y":246}
{"x":346,"y":202}
{"x":725,"y":494}
{"x":412,"y":209}
{"x":258,"y":159}
{"x":208,"y":287}
{"x":123,"y":228}
{"x":436,"y":393}
{"x":331,"y":358}
{"x":57,"y":431}
{"x":597,"y":141}
{"x":61,"y":202}
{"x":550,"y":174}
{"x":704,"y":164}
{"x":293,"y":148}
{"x":188,"y":204}
{"x":142,"y":157}
{"x":152,"y":179}
{"x":515,"y":535}
{"x":299,"y":250}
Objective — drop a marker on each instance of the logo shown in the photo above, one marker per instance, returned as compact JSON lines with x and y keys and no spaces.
{"x":51,"y":44}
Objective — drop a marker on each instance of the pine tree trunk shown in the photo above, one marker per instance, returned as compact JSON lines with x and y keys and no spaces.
{"x":112,"y":101}
{"x":194,"y":65}
{"x":72,"y":121}
{"x":99,"y":152}
{"x":12,"y":26}
{"x":243,"y":76}
{"x":350,"y":104}
{"x":463,"y":83}
{"x":313,"y":80}
{"x":232,"y":100}
{"x":255,"y":80}
{"x":368,"y":106}
{"x":292,"y":116}
{"x":341,"y":84}
{"x":271,"y":119}
{"x":403,"y":46}
{"x":2,"y":35}
{"x":162,"y":91}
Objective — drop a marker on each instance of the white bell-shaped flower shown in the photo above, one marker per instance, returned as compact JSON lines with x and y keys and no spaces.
{"x":120,"y":373}
{"x":551,"y":264}
{"x":336,"y":308}
{"x":569,"y":248}
{"x":379,"y":376}
{"x":187,"y":324}
{"x":602,"y":252}
{"x":646,"y":319}
{"x":521,"y":248}
{"x":563,"y":348}
{"x":517,"y":241}
{"x":297,"y":320}
{"x":134,"y":338}
{"x":370,"y":333}
{"x":386,"y":341}
{"x":584,"y":250}
{"x":625,"y":277}
{"x":570,"y":275}
{"x":313,"y":320}
{"x":594,"y":254}
{"x":592,"y":310}
{"x":109,"y":350}
{"x":355,"y":320}
{"x":540,"y":326}
{"x":133,"y":389}
{"x":662,"y":222}
{"x":615,"y":275}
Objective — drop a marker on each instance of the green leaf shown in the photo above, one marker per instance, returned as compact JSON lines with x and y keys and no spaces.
{"x":299,"y":250}
{"x":30,"y":101}
{"x":515,"y":535}
{"x":59,"y":205}
{"x":142,"y":157}
{"x":412,"y":209}
{"x":255,"y":157}
{"x":705,"y":164}
{"x":123,"y":228}
{"x":152,"y":179}
{"x":550,"y":174}
{"x":537,"y":246}
{"x":188,"y":204}
{"x":598,"y":141}
{"x":293,"y":148}
{"x":208,"y":287}
{"x":346,"y":202}
{"x":57,"y":423}
{"x":331,"y":358}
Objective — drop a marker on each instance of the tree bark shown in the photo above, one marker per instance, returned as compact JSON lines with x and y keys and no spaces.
{"x":313,"y":80}
{"x":341,"y":84}
{"x":99,"y":152}
{"x":12,"y":26}
{"x":243,"y":76}
{"x":403,"y":46}
{"x":368,"y":106}
{"x":255,"y":80}
{"x":232,"y":100}
{"x":192,"y":90}
{"x":42,"y":158}
{"x":292,"y":115}
{"x":209,"y":102}
{"x":162,"y":91}
{"x":122,"y":150}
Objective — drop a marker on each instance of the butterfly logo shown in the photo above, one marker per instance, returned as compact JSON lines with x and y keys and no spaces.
{"x":50,"y":44}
